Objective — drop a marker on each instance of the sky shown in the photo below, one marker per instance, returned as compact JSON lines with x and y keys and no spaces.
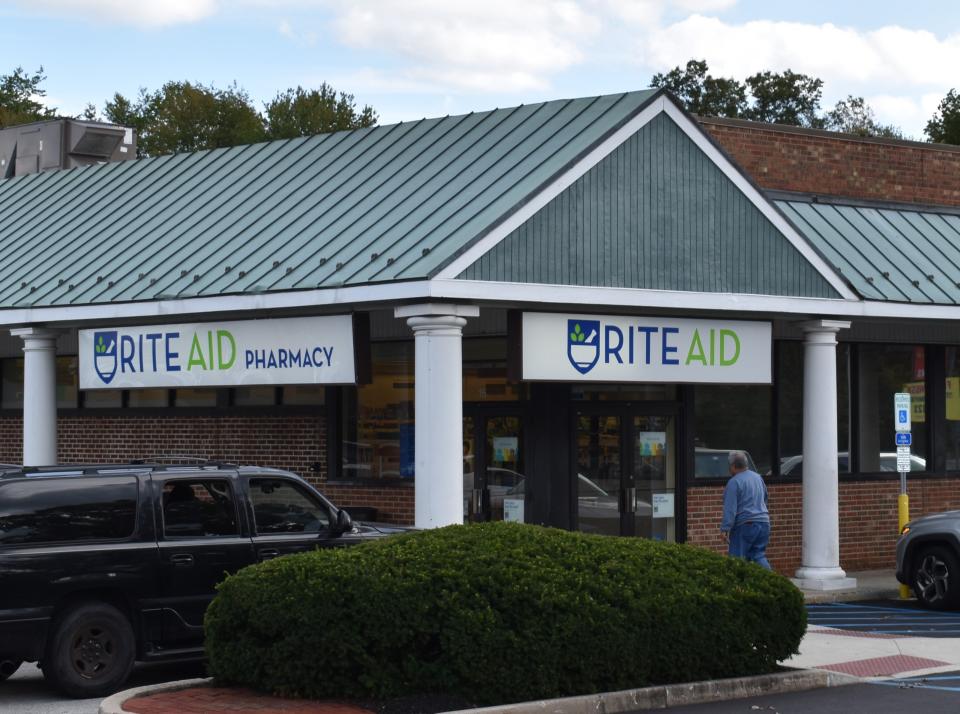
{"x":423,"y":58}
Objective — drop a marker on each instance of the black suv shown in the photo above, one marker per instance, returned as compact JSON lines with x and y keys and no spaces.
{"x":101,"y":566}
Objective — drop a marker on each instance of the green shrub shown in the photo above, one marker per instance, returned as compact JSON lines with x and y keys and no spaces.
{"x":498,"y":612}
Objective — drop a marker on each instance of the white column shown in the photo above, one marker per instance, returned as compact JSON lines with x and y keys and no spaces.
{"x":820,"y":566}
{"x":39,"y":395}
{"x":438,"y":442}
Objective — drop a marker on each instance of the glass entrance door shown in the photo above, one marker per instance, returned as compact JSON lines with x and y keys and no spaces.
{"x":625,"y":473}
{"x":493,"y":467}
{"x":654,"y":477}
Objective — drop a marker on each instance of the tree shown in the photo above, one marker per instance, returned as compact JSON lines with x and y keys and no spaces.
{"x":854,"y":116}
{"x":785,"y":98}
{"x":19,"y":94}
{"x":182,"y":116}
{"x":702,"y":93}
{"x":944,"y":126}
{"x":300,"y":112}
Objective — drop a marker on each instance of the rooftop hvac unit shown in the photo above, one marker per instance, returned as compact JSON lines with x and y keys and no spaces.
{"x":62,"y":144}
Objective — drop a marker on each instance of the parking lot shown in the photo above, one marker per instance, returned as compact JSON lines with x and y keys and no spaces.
{"x":885,"y":617}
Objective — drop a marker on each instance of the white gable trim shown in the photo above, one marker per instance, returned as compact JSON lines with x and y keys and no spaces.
{"x":658,"y":106}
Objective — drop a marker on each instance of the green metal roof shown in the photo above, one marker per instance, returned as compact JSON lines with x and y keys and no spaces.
{"x":890,"y":253}
{"x":383,"y":204}
{"x":657,"y":213}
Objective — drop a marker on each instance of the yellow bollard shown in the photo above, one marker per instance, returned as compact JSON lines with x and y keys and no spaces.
{"x":903,"y":512}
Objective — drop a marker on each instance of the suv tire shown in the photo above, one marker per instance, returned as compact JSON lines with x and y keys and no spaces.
{"x":91,"y":651}
{"x":8,"y":667}
{"x":936,"y":578}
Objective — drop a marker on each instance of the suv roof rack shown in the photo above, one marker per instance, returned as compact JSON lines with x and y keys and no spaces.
{"x":10,"y":471}
{"x":180,"y":458}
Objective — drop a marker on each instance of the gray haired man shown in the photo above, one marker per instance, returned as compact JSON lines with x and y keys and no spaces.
{"x":746,"y":521}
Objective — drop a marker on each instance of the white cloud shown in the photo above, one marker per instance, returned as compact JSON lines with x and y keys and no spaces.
{"x":494,"y":45}
{"x":300,"y":38}
{"x":142,"y":13}
{"x":892,"y":55}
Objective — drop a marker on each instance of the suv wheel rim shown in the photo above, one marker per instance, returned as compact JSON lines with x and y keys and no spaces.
{"x":92,"y":651}
{"x":932,"y":579}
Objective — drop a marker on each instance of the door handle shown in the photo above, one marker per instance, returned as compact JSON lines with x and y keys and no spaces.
{"x":629,"y":504}
{"x":476,"y":502}
{"x":182,"y":560}
{"x":268,"y":553}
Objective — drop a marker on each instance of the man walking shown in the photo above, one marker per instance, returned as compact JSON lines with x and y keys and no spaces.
{"x":746,"y":522}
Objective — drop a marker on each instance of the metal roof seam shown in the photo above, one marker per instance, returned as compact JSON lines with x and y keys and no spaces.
{"x":931,"y":264}
{"x":438,"y":170}
{"x":365,"y":148}
{"x":525,"y":164}
{"x":533,"y":191}
{"x":151,"y":206}
{"x":64,"y":215}
{"x":383,"y":205}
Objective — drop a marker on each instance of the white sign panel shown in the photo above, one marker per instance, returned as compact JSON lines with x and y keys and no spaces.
{"x":903,"y":458}
{"x":663,"y":505}
{"x":901,"y":411}
{"x":513,"y":510}
{"x":615,"y":348}
{"x":298,"y":350}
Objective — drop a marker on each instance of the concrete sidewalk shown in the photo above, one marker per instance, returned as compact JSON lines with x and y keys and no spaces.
{"x":871,"y":585}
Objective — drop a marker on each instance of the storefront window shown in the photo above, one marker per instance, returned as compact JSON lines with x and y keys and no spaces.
{"x":884,"y":371}
{"x":378,"y":431}
{"x":195,"y":398}
{"x":149,"y":398}
{"x":731,"y":418}
{"x":790,"y":407}
{"x":255,"y":396}
{"x":11,"y":389}
{"x":67,"y":382}
{"x":102,"y":399}
{"x":485,"y":372}
{"x":304,"y":394}
{"x":625,"y":392}
{"x":952,"y":408}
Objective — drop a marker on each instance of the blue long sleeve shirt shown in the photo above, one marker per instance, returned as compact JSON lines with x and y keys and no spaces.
{"x":744,"y":500}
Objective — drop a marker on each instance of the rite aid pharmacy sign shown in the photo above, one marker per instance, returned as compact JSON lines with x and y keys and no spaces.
{"x":300,"y":350}
{"x":606,"y":348}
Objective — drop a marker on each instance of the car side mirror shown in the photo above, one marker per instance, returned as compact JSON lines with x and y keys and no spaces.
{"x":344,"y":522}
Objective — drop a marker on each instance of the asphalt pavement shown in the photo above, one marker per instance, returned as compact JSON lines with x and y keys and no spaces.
{"x":26,"y":692}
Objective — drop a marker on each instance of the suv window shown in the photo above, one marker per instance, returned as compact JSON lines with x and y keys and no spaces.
{"x":47,"y":510}
{"x":199,"y":507}
{"x":280,"y":506}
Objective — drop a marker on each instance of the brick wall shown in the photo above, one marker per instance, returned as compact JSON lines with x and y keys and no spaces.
{"x":788,"y":159}
{"x":868,"y":519}
{"x":288,"y":442}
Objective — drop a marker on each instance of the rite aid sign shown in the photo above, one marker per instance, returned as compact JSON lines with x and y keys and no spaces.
{"x":617,"y":348}
{"x":300,"y":350}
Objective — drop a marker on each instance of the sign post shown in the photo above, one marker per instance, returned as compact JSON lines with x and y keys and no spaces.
{"x":903,"y":439}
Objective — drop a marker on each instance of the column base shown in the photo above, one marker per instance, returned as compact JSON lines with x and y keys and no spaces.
{"x":823,"y":579}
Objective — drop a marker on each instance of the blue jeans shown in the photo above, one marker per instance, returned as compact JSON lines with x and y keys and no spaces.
{"x":749,"y":541}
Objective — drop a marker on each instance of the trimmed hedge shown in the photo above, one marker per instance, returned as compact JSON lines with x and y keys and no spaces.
{"x":498,"y":612}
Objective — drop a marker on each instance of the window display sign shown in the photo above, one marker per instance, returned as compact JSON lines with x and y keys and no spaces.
{"x":617,"y":348}
{"x":513,"y":510}
{"x":663,"y":505}
{"x":651,"y":443}
{"x":298,"y":350}
{"x":505,"y":449}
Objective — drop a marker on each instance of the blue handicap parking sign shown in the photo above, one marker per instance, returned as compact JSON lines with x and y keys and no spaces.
{"x":902,"y":416}
{"x":904,"y":439}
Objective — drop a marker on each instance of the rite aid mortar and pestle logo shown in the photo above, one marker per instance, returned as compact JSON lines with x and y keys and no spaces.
{"x":583,"y":344}
{"x":105,"y":354}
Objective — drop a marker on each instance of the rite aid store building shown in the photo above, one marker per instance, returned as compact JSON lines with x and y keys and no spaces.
{"x":563,"y":313}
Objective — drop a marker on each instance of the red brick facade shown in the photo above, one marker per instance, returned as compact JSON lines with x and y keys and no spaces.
{"x":288,"y":442}
{"x":790,"y":159}
{"x":868,"y":519}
